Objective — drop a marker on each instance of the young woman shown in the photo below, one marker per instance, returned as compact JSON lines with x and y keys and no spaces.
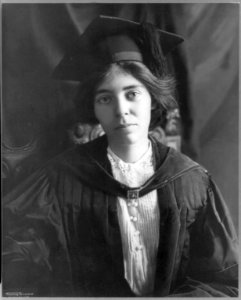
{"x":122,"y":215}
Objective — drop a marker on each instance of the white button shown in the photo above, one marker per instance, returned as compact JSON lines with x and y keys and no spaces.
{"x":134,"y":219}
{"x":135,"y":204}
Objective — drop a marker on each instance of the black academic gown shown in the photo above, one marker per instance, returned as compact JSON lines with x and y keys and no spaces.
{"x":62,"y":237}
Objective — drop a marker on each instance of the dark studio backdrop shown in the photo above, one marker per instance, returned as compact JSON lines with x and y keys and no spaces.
{"x":37,"y":109}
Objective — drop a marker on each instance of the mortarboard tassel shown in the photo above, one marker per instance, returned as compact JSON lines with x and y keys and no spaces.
{"x":152,"y":51}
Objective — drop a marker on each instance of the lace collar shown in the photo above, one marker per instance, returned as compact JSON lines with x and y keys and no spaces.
{"x":145,"y":165}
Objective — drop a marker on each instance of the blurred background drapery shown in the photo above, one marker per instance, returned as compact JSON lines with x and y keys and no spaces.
{"x":37,"y":109}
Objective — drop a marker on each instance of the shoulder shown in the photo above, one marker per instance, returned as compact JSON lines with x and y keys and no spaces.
{"x":183,"y":177}
{"x":94,"y":148}
{"x":173,"y":163}
{"x":80,"y":155}
{"x":190,"y":181}
{"x":182,"y":167}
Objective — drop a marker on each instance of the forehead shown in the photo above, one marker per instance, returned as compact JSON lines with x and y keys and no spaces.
{"x":117,"y":76}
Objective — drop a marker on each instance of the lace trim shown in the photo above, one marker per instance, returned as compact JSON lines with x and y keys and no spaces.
{"x":133,"y":172}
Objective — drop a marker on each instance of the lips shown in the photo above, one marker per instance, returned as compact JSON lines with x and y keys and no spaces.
{"x":123,"y":126}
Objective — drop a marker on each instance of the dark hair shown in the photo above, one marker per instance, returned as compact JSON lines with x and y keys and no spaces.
{"x":161,"y":89}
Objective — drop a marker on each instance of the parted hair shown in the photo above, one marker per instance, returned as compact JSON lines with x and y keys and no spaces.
{"x":161,"y":89}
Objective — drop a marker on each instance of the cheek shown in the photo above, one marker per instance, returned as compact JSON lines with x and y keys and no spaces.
{"x":103,"y":114}
{"x":145,"y":110}
{"x":147,"y":116}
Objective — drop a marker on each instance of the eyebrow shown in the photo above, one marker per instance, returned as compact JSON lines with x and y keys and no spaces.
{"x":100,"y":91}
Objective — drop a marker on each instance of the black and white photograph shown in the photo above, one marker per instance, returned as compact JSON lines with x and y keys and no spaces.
{"x":120,"y":149}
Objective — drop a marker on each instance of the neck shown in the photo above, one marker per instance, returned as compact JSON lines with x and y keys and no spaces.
{"x":130,"y":153}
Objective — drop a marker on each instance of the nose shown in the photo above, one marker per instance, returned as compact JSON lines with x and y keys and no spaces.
{"x":121,"y":106}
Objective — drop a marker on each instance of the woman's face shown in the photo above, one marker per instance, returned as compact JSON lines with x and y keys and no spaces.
{"x":122,"y":105}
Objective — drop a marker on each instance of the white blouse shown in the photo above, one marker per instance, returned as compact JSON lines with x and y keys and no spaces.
{"x":139,"y":223}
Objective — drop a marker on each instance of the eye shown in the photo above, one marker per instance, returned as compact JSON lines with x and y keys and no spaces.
{"x":132,"y":95}
{"x":103,"y":99}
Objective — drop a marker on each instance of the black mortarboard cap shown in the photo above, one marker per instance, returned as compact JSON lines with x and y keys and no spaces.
{"x":111,"y":39}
